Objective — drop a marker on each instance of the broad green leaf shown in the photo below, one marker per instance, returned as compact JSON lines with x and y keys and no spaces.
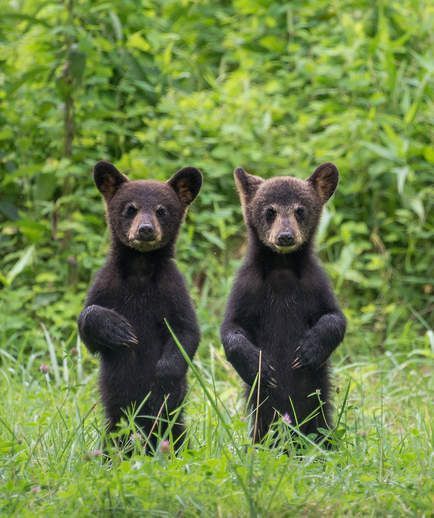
{"x":21,"y":264}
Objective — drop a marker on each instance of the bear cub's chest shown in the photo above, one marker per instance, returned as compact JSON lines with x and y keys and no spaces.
{"x":146,"y":310}
{"x":283,"y":286}
{"x":284,"y":311}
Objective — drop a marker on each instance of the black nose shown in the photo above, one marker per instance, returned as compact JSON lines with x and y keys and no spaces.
{"x":285,"y":239}
{"x":146,"y":232}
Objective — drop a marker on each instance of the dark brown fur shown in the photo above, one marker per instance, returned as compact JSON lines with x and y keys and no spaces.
{"x":282,"y":308}
{"x":139,"y":287}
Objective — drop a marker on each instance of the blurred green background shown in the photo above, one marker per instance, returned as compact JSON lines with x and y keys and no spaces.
{"x":278,"y":88}
{"x":275,"y":87}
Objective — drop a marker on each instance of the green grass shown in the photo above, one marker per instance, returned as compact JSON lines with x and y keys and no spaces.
{"x":277,"y":87}
{"x":50,"y":426}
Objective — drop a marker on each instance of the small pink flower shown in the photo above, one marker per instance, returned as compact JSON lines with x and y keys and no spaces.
{"x":44,"y":368}
{"x":95,"y":453}
{"x":36,"y":489}
{"x":286,"y":419}
{"x":165,"y":446}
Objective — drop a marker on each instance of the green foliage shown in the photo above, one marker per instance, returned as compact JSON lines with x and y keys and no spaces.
{"x":278,"y":88}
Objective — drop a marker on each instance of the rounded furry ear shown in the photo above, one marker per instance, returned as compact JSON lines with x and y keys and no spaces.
{"x":108,"y":179}
{"x":186,"y":183}
{"x":247,"y":184}
{"x":324,"y":180}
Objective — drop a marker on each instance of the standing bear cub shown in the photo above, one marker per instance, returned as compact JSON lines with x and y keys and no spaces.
{"x":142,"y":369}
{"x":282,"y":319}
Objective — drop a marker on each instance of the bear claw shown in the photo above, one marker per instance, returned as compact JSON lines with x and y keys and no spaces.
{"x":296,"y":364}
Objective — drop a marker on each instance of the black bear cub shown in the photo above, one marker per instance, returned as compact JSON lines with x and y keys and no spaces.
{"x":282,"y":319}
{"x":142,"y":369}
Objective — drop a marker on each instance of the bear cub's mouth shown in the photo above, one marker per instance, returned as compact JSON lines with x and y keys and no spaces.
{"x":284,"y":249}
{"x":144,"y":246}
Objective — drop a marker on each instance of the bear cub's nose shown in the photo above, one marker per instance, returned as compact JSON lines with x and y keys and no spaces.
{"x":146,"y":232}
{"x":285,"y":239}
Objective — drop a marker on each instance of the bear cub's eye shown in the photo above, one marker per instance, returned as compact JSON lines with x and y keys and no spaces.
{"x":270,"y":214}
{"x":130,"y":211}
{"x":161,"y":211}
{"x":299,"y":212}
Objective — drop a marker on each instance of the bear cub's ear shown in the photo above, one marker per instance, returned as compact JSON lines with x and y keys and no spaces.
{"x":186,"y":183}
{"x":247,"y":184}
{"x":108,"y":179}
{"x":324,"y":180}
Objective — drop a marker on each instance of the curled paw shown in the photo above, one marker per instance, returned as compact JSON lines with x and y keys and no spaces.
{"x":270,"y":376}
{"x":308,"y":355}
{"x":121,"y":334}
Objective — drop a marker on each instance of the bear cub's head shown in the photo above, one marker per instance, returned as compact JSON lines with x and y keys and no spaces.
{"x":284,"y":211}
{"x":146,"y":214}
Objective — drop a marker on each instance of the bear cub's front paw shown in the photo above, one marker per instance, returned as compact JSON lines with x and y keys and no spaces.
{"x":101,"y":329}
{"x":122,"y":333}
{"x":268,"y":375}
{"x":308,"y":354}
